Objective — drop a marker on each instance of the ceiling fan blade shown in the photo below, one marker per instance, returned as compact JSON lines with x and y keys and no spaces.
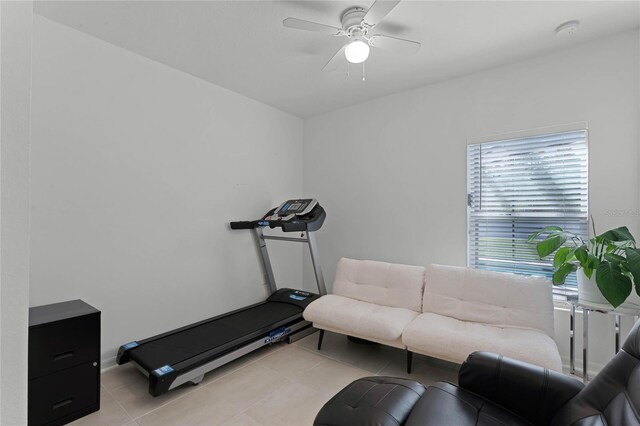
{"x":300,"y":24}
{"x":378,"y":10}
{"x":399,"y":45}
{"x":335,"y":60}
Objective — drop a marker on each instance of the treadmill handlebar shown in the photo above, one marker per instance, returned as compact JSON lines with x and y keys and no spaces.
{"x":247,"y":224}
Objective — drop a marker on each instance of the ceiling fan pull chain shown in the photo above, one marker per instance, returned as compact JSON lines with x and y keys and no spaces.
{"x":363,"y":77}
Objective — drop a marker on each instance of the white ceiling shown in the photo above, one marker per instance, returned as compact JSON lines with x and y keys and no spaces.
{"x":242,"y":45}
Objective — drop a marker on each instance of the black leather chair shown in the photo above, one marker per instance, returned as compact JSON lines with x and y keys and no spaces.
{"x":495,"y":390}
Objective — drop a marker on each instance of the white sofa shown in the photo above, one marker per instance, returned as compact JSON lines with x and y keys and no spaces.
{"x":371,"y":300}
{"x":442,"y":311}
{"x":467,"y":310}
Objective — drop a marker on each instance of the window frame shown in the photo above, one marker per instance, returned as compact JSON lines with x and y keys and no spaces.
{"x":561,"y":291}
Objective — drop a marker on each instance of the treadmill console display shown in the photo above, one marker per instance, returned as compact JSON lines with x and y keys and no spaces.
{"x":291,"y":208}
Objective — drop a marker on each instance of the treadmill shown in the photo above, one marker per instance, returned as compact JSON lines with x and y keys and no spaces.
{"x":184,"y":355}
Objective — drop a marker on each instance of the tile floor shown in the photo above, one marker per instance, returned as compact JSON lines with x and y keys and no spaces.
{"x":278,"y":385}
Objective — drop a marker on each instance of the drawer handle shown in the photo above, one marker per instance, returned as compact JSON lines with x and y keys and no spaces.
{"x":62,"y":403}
{"x":63,"y":355}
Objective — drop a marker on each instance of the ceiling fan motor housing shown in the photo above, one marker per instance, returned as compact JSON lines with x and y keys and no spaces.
{"x":352,"y":20}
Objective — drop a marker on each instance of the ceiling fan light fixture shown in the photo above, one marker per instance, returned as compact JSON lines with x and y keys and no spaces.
{"x":356,"y":25}
{"x":357,"y":51}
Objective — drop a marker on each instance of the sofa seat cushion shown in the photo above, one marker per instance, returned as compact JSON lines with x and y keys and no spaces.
{"x":453,"y":340}
{"x":361,"y":318}
{"x":445,"y":404}
{"x":371,"y":401}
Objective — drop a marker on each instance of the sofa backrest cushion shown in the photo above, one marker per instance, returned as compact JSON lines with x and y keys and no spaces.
{"x":382,"y":283}
{"x":489,"y":297}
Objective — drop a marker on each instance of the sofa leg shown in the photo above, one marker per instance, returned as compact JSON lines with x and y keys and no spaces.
{"x":409,"y":361}
{"x":320,"y":336}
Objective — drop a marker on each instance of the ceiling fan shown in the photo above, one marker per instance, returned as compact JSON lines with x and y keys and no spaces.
{"x":357,"y":25}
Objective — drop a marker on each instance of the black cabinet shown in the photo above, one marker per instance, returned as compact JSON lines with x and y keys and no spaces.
{"x":64,"y":362}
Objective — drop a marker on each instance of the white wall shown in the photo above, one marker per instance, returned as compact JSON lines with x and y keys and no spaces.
{"x":16,"y":24}
{"x":392,"y":173}
{"x":137,"y":170}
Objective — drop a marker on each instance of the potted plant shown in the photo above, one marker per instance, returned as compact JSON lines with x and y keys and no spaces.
{"x":608,"y":264}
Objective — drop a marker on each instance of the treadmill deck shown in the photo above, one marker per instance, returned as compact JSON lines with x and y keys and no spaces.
{"x":216,"y":333}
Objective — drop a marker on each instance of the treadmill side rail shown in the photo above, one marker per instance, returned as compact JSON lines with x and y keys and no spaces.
{"x":160,"y":382}
{"x":123,"y":352}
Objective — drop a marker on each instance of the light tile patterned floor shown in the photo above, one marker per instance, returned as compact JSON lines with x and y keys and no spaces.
{"x":277,"y":385}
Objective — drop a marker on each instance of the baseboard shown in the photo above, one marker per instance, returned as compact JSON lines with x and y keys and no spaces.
{"x":107,"y":364}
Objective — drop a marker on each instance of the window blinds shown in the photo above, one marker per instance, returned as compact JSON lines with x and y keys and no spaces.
{"x":518,"y":186}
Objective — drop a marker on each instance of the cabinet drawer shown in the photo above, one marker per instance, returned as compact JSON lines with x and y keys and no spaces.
{"x":63,"y":345}
{"x":63,"y":393}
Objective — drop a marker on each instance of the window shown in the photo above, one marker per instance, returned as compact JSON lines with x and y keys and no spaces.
{"x":518,"y":186}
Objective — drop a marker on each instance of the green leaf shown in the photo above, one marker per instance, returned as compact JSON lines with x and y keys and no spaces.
{"x":618,"y":234}
{"x":623,"y":244}
{"x":588,"y":271}
{"x":560,"y":275}
{"x":582,"y":255}
{"x":598,"y":246}
{"x":561,"y":256}
{"x":633,"y":264}
{"x":550,"y":244}
{"x":591,"y":264}
{"x":545,"y":230}
{"x":614,"y":258}
{"x":625,"y":270}
{"x":613,"y":284}
{"x":624,"y":234}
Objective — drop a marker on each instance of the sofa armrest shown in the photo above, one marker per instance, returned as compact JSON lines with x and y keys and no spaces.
{"x":532,"y":392}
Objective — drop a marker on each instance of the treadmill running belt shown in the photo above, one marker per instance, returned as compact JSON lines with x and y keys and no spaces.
{"x":186,"y":344}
